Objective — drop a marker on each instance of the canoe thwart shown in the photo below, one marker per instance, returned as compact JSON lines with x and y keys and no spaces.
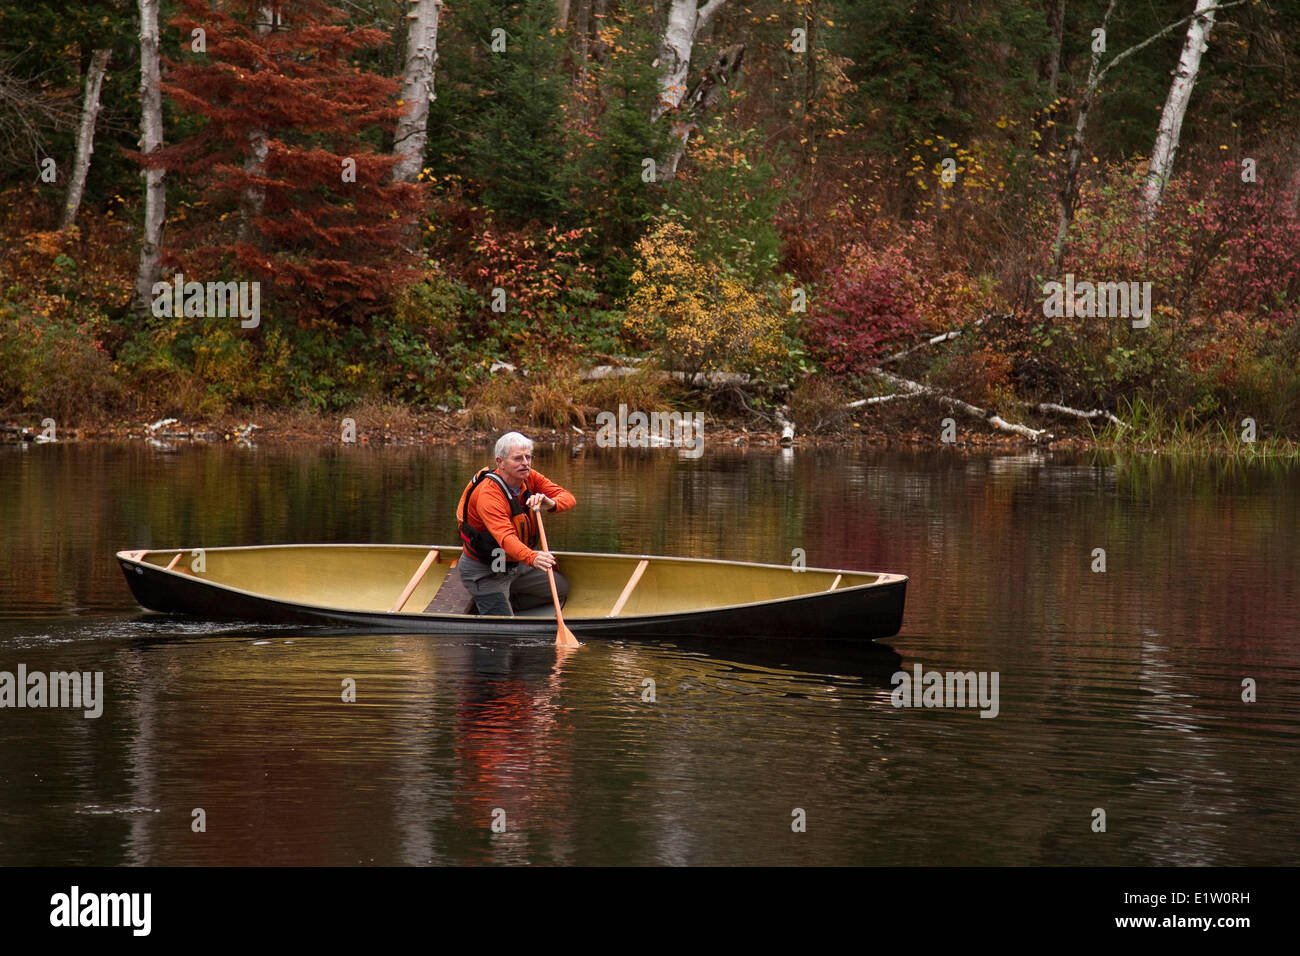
{"x":629,"y":587}
{"x":416,"y":578}
{"x":836,"y":582}
{"x":174,"y":560}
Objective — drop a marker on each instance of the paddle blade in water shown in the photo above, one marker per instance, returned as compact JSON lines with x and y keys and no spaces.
{"x":564,"y":637}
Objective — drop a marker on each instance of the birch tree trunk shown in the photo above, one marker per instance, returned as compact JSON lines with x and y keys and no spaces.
{"x":686,"y":19}
{"x":417,"y":89}
{"x":1069,"y":191}
{"x":1070,"y":188}
{"x":151,"y":139}
{"x":1180,"y":94}
{"x":562,"y":14}
{"x":717,"y":78}
{"x":255,"y":196}
{"x":85,"y":135}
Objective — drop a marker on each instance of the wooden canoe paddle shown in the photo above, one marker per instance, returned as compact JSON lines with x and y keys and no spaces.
{"x":563,"y":636}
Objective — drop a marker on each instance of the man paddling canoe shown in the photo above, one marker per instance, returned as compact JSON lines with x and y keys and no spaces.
{"x":498,"y":526}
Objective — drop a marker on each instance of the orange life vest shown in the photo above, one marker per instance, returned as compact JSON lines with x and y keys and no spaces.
{"x":479,"y":542}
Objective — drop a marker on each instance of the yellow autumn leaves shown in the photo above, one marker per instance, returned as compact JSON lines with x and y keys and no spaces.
{"x":698,"y":316}
{"x":942,"y":164}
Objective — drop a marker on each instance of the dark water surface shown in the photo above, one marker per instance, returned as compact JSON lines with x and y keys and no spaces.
{"x":1119,"y":690}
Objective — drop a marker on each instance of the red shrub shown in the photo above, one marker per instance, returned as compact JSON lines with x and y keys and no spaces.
{"x":868,"y":309}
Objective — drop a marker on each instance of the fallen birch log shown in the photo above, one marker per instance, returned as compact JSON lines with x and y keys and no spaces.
{"x":1048,"y":407}
{"x":997,"y":421}
{"x":877,"y":399}
{"x":787,"y":426}
{"x":933,"y":340}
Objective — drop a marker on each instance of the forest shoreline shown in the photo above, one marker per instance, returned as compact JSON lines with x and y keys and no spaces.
{"x":401,"y":425}
{"x":407,"y":425}
{"x":1007,"y":249}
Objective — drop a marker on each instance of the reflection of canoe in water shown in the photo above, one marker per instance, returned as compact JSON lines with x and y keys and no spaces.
{"x":409,"y":588}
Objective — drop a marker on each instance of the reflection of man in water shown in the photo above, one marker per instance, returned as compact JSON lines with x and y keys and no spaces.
{"x":500,"y":567}
{"x":513,"y":759}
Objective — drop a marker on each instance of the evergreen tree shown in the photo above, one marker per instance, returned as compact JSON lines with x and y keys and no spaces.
{"x":610,"y":191}
{"x":287,"y":116}
{"x":505,"y":99}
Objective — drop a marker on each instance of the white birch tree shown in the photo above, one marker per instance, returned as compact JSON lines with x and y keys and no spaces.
{"x":85,"y":135}
{"x":151,"y":139}
{"x":417,"y":88}
{"x":686,"y":21}
{"x":707,"y":93}
{"x":1074,"y":153}
{"x":1069,"y":190}
{"x":1180,"y":94}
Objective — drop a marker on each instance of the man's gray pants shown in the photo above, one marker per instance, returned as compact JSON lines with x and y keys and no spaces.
{"x":504,"y":592}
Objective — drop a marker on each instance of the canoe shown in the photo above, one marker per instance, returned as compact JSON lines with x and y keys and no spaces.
{"x":415,"y":589}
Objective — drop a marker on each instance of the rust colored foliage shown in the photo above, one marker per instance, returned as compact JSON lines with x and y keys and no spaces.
{"x":319,"y":220}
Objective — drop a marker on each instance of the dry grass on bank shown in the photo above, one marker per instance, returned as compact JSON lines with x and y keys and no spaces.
{"x":562,"y":398}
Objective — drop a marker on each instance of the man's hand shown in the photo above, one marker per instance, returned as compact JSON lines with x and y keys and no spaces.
{"x":540,"y":500}
{"x":544,"y":560}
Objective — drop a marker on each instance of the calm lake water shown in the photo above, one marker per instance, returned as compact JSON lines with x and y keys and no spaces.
{"x":1119,"y":691}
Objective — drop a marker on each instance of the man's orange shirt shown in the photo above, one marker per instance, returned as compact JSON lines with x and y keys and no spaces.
{"x":489,"y":509}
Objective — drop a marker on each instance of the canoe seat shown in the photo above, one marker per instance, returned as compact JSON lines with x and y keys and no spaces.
{"x":452,"y":598}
